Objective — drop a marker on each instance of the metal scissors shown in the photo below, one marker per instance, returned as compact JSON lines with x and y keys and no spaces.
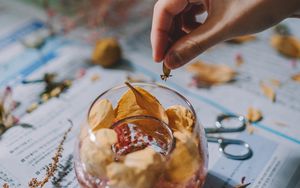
{"x":225,"y":142}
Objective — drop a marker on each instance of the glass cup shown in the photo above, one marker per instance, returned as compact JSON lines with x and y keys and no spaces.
{"x":139,"y":133}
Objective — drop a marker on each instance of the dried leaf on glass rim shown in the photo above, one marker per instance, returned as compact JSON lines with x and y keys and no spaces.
{"x":209,"y":74}
{"x":180,"y":118}
{"x":138,"y":101}
{"x":101,"y":115}
{"x":286,"y":45}
{"x":107,"y":52}
{"x":296,"y":77}
{"x":96,"y":155}
{"x":242,"y":39}
{"x":184,"y":160}
{"x":268,"y":91}
{"x":140,"y":169}
{"x":254,"y":115}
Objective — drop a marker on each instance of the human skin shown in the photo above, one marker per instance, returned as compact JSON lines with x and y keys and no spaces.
{"x":177,"y":38}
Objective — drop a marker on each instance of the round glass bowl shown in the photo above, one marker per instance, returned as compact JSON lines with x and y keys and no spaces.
{"x":142,"y":151}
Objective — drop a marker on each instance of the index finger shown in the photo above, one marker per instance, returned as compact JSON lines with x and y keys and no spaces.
{"x":164,"y":12}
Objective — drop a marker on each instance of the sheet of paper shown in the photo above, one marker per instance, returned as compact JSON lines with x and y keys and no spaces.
{"x":275,"y":141}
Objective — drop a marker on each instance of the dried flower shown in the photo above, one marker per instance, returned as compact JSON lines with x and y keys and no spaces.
{"x":296,"y":77}
{"x":209,"y":74}
{"x":254,"y":115}
{"x":166,"y":73}
{"x":268,"y":91}
{"x":243,"y":184}
{"x":286,"y":45}
{"x":52,"y":167}
{"x":180,"y":118}
{"x":107,"y":52}
{"x":239,"y":60}
{"x":7,"y":105}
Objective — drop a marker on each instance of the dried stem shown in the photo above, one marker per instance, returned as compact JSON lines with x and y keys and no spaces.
{"x":52,"y":167}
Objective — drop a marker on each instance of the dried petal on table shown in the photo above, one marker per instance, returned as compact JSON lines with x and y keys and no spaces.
{"x":296,"y":77}
{"x":138,"y":101}
{"x":209,"y":74}
{"x":98,"y":154}
{"x":254,"y":115}
{"x":184,"y":160}
{"x":242,"y":39}
{"x":180,"y":118}
{"x":101,"y":115}
{"x":268,"y":91}
{"x":286,"y":45}
{"x":107,"y":52}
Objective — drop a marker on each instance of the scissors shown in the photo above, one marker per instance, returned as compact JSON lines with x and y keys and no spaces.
{"x":224,"y":142}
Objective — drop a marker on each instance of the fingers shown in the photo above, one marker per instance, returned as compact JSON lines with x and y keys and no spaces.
{"x":164,"y":12}
{"x":194,"y":43}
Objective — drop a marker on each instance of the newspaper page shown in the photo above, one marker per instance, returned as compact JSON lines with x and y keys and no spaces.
{"x":24,"y":152}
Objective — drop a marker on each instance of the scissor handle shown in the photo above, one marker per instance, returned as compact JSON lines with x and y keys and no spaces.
{"x":222,"y":128}
{"x":227,"y":142}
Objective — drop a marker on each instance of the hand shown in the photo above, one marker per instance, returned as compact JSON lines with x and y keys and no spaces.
{"x":177,"y":38}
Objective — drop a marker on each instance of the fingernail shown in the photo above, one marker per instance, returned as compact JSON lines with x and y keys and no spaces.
{"x":173,"y":60}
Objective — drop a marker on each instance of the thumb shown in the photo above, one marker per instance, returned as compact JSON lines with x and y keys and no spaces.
{"x":191,"y":45}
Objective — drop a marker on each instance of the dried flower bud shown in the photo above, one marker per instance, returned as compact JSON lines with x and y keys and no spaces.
{"x":254,"y":115}
{"x":107,"y":52}
{"x":166,"y":73}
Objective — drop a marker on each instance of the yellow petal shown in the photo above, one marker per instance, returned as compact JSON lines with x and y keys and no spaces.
{"x":209,"y":74}
{"x":286,"y":45}
{"x":180,"y":118}
{"x":138,"y":101}
{"x":101,"y":115}
{"x":254,"y":115}
{"x":268,"y":92}
{"x":184,"y":160}
{"x":296,"y":77}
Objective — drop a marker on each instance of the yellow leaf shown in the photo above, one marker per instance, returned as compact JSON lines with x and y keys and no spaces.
{"x":268,"y":92}
{"x":242,"y":39}
{"x":296,"y":77}
{"x":209,"y":74}
{"x":286,"y":45}
{"x":184,"y":160}
{"x":180,"y":118}
{"x":101,"y":115}
{"x":254,"y":115}
{"x":138,"y":101}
